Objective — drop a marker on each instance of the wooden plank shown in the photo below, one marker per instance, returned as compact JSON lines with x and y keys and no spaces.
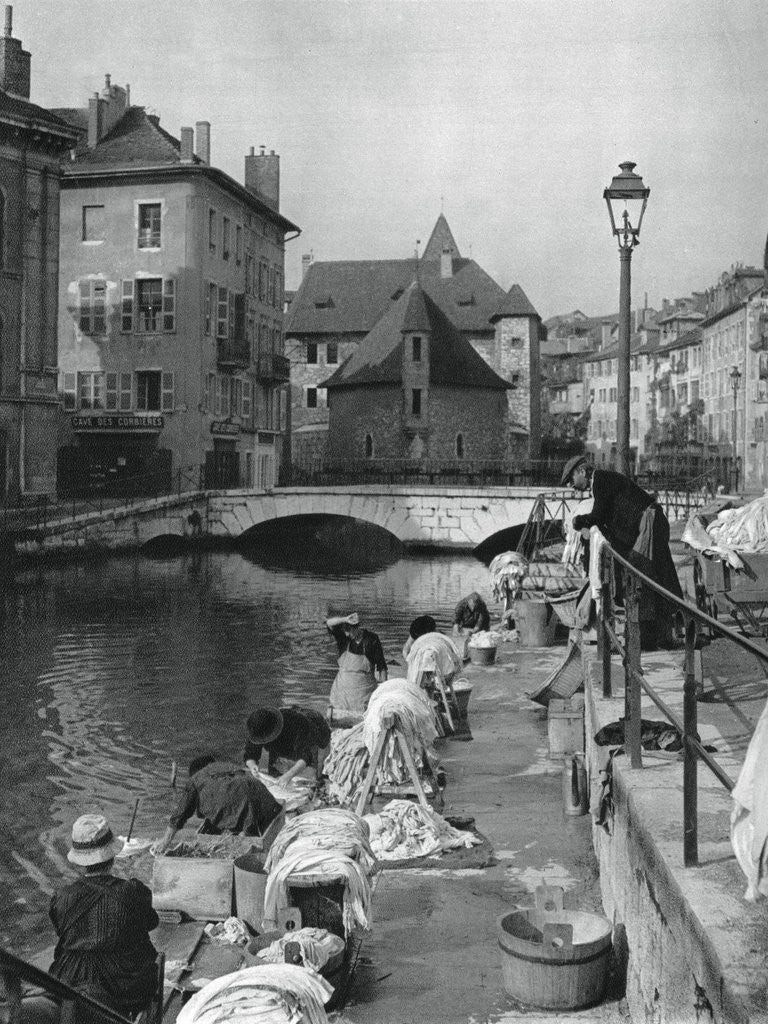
{"x":372,"y":769}
{"x":411,"y":766}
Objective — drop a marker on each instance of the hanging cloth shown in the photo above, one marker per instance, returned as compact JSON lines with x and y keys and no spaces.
{"x":354,"y":683}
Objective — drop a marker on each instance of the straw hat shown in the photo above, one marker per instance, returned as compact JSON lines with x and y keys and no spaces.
{"x":92,"y":841}
{"x":265,"y":725}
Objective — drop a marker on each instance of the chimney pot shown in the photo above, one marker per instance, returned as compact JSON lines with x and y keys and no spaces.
{"x":187,"y":145}
{"x":8,"y":20}
{"x":252,"y":151}
{"x":203,"y":141}
{"x":263,"y":149}
{"x":107,"y":81}
{"x":271,"y":152}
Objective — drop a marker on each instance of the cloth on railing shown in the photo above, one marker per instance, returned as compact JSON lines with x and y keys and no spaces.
{"x":317,"y":946}
{"x":304,"y":858}
{"x":409,"y":705}
{"x":749,"y":815}
{"x":403,"y":829}
{"x":435,"y":653}
{"x":573,"y":553}
{"x":267,"y":994}
{"x":598,"y":547}
{"x":329,"y":828}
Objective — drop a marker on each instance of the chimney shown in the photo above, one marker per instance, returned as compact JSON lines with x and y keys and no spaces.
{"x":187,"y":145}
{"x":203,"y":135}
{"x":306,"y":263}
{"x":446,"y":263}
{"x":605,"y":333}
{"x":15,"y":63}
{"x":95,"y":119}
{"x":262,"y":176}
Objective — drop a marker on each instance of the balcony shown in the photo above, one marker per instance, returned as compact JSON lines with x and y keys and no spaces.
{"x":271,"y":367}
{"x":233,"y":352}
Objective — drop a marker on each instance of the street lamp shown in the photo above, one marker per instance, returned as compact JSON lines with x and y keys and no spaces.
{"x":626,"y":198}
{"x":735,"y":376}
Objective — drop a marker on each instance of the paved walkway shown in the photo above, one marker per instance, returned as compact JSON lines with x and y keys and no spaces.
{"x":433,"y":954}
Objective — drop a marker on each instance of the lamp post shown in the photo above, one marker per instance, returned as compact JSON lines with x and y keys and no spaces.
{"x":735,"y":376}
{"x":626,"y":198}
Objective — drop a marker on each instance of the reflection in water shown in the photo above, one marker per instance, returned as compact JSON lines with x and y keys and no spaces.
{"x":112,"y":671}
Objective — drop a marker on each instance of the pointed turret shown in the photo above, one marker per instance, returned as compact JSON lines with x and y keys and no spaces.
{"x":441,"y":241}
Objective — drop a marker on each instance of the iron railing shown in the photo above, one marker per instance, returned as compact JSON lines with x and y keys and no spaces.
{"x":635,"y":682}
{"x":455,"y":472}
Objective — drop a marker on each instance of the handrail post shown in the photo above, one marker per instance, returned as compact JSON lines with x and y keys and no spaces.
{"x":632,"y":704}
{"x":605,"y":617}
{"x":690,"y":757}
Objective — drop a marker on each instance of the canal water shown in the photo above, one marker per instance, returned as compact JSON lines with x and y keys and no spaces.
{"x":111,"y":671}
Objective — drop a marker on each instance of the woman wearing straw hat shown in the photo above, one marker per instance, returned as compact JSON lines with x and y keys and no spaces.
{"x":103,"y":924}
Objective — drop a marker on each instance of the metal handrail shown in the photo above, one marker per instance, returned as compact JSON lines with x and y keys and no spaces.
{"x":635,"y":682}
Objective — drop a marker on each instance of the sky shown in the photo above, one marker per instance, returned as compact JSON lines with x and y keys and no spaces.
{"x":510,"y":116}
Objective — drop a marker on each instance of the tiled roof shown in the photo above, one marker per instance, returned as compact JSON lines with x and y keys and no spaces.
{"x":351,"y":296}
{"x":440,"y":240}
{"x":21,"y":111}
{"x":692,"y":337}
{"x":516,"y":303}
{"x":378,"y":359}
{"x":136,"y":140}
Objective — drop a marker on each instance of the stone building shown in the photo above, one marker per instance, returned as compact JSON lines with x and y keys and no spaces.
{"x":338,"y":303}
{"x":31,"y":143}
{"x":171,"y":307}
{"x":415,"y":389}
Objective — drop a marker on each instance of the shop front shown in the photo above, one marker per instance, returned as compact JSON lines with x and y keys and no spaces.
{"x":115,"y":455}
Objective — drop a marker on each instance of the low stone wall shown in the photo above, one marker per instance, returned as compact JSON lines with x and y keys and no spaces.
{"x":693,"y":950}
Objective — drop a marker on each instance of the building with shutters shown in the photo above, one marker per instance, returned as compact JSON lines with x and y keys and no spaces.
{"x":170,"y":307}
{"x":31,"y":143}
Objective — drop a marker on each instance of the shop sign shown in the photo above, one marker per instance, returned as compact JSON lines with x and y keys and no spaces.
{"x":224,"y":428}
{"x":116,"y":423}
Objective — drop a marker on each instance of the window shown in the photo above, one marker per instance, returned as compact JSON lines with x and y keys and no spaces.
{"x":149,"y":225}
{"x":238,"y":244}
{"x":90,"y":387}
{"x":694,"y":392}
{"x":416,"y":402}
{"x":262,"y":281}
{"x":126,"y":307}
{"x":111,"y":391}
{"x":514,"y":380}
{"x":93,"y":223}
{"x":212,"y":230}
{"x":332,"y":353}
{"x":249,"y":273}
{"x":459,"y":446}
{"x":210,"y":306}
{"x":222,"y":313}
{"x":278,"y":289}
{"x":311,"y":352}
{"x":93,"y":307}
{"x":416,"y":350}
{"x":311,"y":400}
{"x":271,"y":287}
{"x":225,"y":238}
{"x":149,"y":300}
{"x":247,"y":401}
{"x":368,"y":446}
{"x":167,"y":398}
{"x":322,"y":398}
{"x":612,"y":395}
{"x":148,"y":390}
{"x":69,"y":388}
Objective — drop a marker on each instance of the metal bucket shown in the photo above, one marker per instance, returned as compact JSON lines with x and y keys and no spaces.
{"x":250,"y":884}
{"x":553,"y":958}
{"x":535,"y":622}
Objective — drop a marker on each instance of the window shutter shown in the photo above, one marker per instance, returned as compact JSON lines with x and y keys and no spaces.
{"x":225,"y":396}
{"x":247,"y":403}
{"x":126,"y":307}
{"x":219,"y":389}
{"x":85,"y":307}
{"x":69,"y":387}
{"x":126,"y":392}
{"x":112,"y":391}
{"x":169,"y":304}
{"x":231,"y":316}
{"x":167,"y":397}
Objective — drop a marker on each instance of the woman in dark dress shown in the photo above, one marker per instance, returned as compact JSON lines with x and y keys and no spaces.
{"x":103,"y":924}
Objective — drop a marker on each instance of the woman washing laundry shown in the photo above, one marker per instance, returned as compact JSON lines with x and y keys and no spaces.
{"x":361,"y":664}
{"x":295,"y":738}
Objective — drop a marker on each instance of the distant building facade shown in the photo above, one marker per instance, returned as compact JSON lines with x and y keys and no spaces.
{"x":415,"y":390}
{"x":339,"y":303}
{"x":32,"y":141}
{"x":171,"y":306}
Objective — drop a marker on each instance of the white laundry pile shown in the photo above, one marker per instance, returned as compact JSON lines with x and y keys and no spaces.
{"x":346,"y":764}
{"x":268,"y":994}
{"x":304,"y":858}
{"x":409,"y":705}
{"x":435,"y":653}
{"x":485,"y":638}
{"x":297,"y":793}
{"x":317,"y":946}
{"x":403,"y":829}
{"x":329,"y":828}
{"x":507,"y":573}
{"x":742,"y":529}
{"x":749,"y":815}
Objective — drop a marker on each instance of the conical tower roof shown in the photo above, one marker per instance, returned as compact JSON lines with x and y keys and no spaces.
{"x":378,"y":359}
{"x":441,"y":240}
{"x":516,"y":303}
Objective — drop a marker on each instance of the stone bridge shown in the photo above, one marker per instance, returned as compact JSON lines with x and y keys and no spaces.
{"x":440,"y":517}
